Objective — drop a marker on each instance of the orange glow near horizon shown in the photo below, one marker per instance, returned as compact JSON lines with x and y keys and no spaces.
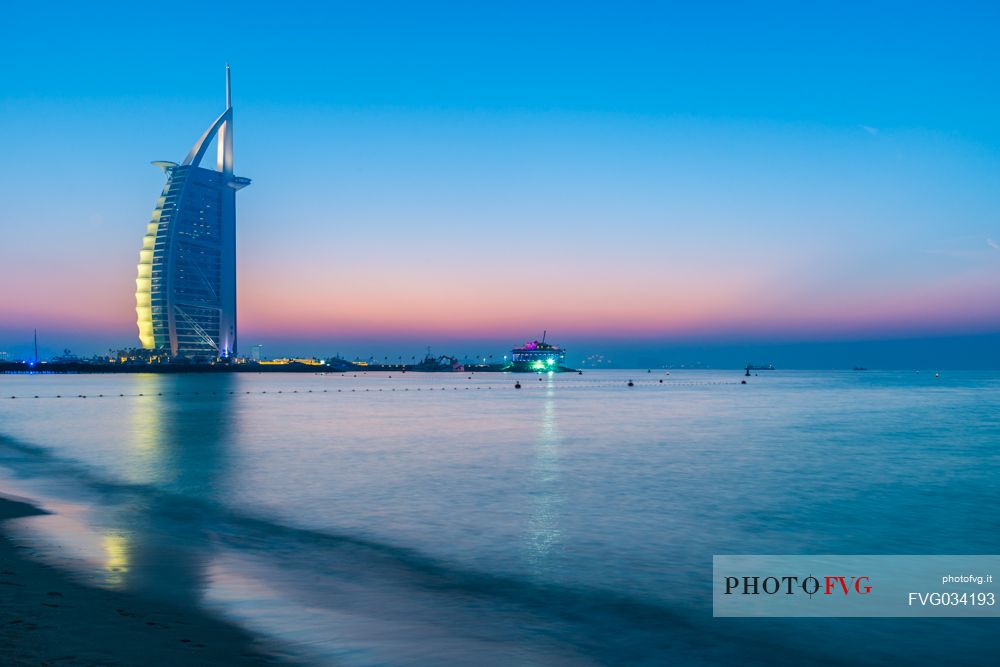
{"x":637,"y":304}
{"x":615,"y":311}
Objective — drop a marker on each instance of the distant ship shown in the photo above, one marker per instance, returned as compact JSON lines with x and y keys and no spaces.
{"x":442,"y":364}
{"x":537,"y":356}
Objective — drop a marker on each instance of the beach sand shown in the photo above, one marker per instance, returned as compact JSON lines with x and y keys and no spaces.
{"x":48,"y":619}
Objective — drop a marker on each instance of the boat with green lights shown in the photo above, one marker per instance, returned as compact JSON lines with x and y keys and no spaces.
{"x":537,"y":356}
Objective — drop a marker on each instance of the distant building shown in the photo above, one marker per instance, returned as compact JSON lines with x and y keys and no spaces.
{"x":284,"y":361}
{"x":256,"y":352}
{"x":186,"y":285}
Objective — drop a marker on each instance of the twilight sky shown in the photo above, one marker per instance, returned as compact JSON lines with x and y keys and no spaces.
{"x":435,"y":173}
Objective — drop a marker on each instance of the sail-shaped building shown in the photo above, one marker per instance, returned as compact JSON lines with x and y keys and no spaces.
{"x":186,"y":285}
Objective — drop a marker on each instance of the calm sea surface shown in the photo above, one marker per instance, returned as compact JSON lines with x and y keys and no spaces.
{"x":430,"y":519}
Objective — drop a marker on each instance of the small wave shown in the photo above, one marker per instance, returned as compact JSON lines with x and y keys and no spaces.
{"x":610,"y":627}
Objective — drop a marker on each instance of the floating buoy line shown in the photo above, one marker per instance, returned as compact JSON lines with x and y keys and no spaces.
{"x":262,"y":392}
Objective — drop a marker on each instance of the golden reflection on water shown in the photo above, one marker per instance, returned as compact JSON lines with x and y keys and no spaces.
{"x":116,"y":558}
{"x":146,"y":456}
{"x":175,"y":453}
{"x":543,"y":525}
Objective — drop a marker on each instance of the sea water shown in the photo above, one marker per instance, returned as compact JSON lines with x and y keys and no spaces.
{"x":430,"y":519}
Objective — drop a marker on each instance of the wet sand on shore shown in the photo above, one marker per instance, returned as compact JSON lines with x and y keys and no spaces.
{"x":48,"y":619}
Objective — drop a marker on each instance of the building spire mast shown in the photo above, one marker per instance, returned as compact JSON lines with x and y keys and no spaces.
{"x":224,"y":139}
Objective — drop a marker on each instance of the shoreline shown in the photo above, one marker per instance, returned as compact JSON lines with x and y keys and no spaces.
{"x":79,"y":368}
{"x":48,"y":618}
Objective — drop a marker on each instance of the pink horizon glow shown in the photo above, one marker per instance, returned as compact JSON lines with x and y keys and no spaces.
{"x":941,"y":309}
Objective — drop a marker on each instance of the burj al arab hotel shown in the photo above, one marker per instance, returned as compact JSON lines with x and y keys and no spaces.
{"x":186,"y":286}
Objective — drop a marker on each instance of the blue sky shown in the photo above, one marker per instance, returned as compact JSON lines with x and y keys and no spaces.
{"x":759,"y":172}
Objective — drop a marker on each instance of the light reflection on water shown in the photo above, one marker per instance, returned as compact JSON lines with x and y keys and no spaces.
{"x":543,"y":527}
{"x":425,"y":518}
